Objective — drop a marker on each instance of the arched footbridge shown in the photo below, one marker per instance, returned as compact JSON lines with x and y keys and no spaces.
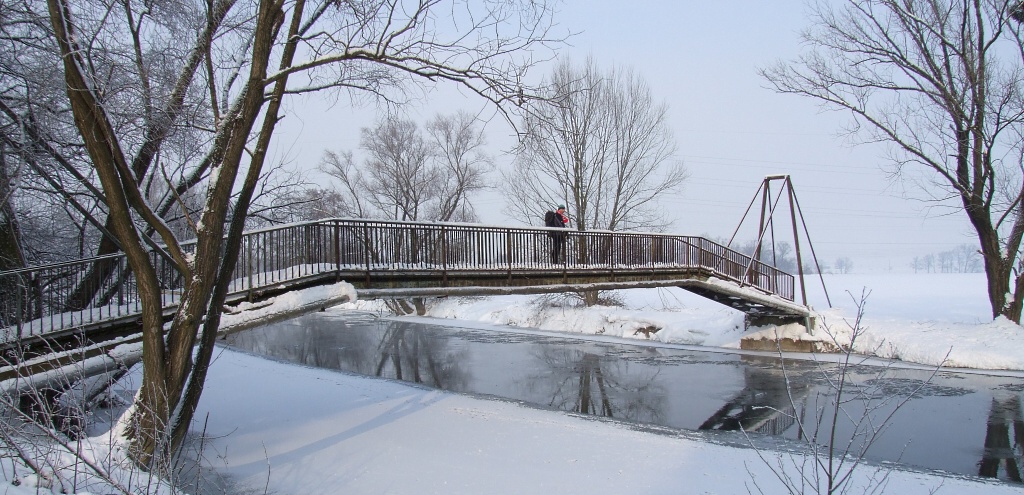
{"x":404,"y":259}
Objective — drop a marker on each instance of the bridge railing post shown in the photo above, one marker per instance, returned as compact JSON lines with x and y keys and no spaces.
{"x":366,"y":250}
{"x":508,"y":253}
{"x":337,"y":249}
{"x":565,"y":258}
{"x":271,"y":255}
{"x":267,"y":258}
{"x":250,"y":267}
{"x":444,"y":256}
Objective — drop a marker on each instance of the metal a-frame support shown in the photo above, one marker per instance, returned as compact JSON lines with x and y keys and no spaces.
{"x":767,"y":226}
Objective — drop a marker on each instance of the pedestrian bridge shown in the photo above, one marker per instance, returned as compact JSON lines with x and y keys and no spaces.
{"x":403,"y":259}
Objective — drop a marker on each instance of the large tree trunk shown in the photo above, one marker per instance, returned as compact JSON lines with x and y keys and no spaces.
{"x":1013,"y":309}
{"x":214,"y":261}
{"x":165,"y":368}
{"x":998,"y":284}
{"x":1004,"y":299}
{"x":11,"y":254}
{"x":224,"y":268}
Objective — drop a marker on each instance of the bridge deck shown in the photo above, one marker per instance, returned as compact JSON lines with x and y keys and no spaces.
{"x":385,"y":259}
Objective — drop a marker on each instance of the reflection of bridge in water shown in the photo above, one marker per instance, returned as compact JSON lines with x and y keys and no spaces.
{"x":767,"y":404}
{"x":1004,"y":440}
{"x":402,"y":259}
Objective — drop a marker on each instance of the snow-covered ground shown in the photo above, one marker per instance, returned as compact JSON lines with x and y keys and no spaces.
{"x":286,"y":429}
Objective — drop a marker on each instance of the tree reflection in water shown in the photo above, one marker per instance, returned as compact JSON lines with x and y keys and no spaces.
{"x":307,"y":343}
{"x":586,"y":381}
{"x":1001,"y":445}
{"x":391,"y":350}
{"x":403,"y":353}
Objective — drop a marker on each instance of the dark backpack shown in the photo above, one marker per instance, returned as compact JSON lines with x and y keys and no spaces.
{"x":551,"y":220}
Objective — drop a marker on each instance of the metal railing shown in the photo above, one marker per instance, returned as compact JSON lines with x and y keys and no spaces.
{"x":62,"y":296}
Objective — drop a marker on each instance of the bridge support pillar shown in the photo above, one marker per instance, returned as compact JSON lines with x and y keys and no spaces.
{"x":787,"y":333}
{"x":764,"y":320}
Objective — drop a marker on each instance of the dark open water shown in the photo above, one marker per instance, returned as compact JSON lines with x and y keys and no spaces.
{"x":958,"y":422}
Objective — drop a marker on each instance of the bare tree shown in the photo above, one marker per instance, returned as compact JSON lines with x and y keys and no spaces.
{"x":600,"y":143}
{"x":408,"y":177}
{"x":312,"y":203}
{"x":353,"y":195}
{"x":12,"y":255}
{"x":940,"y":82}
{"x":397,"y":180}
{"x":33,"y":229}
{"x":843,"y":265}
{"x":398,"y":173}
{"x":967,"y":259}
{"x":462,"y":164}
{"x":190,"y":92}
{"x":279,"y":194}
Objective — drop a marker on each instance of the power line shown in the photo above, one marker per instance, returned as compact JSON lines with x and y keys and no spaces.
{"x":732,"y":131}
{"x":935,"y":243}
{"x":847,"y":212}
{"x":845,"y":191}
{"x":753,"y":163}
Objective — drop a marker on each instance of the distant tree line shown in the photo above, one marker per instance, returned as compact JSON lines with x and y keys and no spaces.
{"x":964,"y":258}
{"x":783,"y":256}
{"x":780,"y":255}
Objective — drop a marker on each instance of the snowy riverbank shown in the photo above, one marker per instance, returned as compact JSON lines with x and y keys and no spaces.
{"x":930,"y":319}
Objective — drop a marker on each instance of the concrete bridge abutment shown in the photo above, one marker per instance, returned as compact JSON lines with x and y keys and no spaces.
{"x":782,"y":333}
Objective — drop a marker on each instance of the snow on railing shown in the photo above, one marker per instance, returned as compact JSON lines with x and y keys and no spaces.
{"x":63,"y":296}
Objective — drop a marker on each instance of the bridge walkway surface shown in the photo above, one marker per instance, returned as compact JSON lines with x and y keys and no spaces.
{"x":96,"y":297}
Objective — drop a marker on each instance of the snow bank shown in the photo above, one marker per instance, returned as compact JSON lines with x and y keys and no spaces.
{"x":697,"y":326}
{"x":247,"y":315}
{"x":65,"y":472}
{"x":931,"y":319}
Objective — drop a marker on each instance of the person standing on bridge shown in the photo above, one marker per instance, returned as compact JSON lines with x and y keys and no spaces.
{"x":558,"y":219}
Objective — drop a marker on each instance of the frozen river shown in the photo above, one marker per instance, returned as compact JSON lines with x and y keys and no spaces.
{"x":964,"y":423}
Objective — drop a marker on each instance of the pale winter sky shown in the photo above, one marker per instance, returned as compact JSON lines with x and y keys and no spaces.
{"x":701,"y":59}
